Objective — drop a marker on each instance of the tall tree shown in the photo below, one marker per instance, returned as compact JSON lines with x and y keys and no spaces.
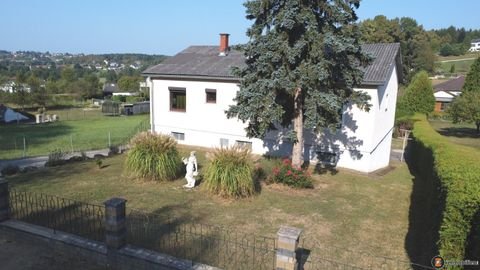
{"x":418,"y":96}
{"x":129,"y":83}
{"x":302,"y":62}
{"x":472,"y":81}
{"x":466,"y":108}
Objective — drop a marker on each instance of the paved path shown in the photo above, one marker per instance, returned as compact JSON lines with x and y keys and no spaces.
{"x":40,"y":161}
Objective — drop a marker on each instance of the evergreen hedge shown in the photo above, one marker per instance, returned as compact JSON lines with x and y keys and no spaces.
{"x":457,"y":169}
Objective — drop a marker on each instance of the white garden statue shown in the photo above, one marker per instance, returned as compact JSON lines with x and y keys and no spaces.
{"x":192,"y":169}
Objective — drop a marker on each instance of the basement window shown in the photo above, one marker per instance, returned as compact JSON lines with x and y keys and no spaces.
{"x":223,"y":142}
{"x":178,"y":99}
{"x":244,"y":144}
{"x":178,"y":136}
{"x":211,"y":95}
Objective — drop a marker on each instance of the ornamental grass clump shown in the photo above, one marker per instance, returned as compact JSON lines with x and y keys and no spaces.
{"x":230,"y":172}
{"x":291,"y":176}
{"x":153,"y":156}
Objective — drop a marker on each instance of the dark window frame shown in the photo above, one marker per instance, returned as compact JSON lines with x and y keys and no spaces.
{"x":208,"y":92}
{"x":179,"y":136}
{"x":176,"y":91}
{"x":244,"y":144}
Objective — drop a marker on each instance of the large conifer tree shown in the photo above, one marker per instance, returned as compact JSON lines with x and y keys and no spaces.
{"x":302,"y":62}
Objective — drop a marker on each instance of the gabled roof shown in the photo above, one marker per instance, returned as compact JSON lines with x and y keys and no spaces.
{"x":450,"y":85}
{"x":204,"y":62}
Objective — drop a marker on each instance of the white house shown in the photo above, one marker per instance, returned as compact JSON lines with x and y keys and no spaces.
{"x":474,"y":45}
{"x":190,"y":92}
{"x":445,"y":92}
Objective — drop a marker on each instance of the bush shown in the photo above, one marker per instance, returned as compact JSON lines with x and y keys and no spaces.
{"x":291,"y":176}
{"x":10,"y":170}
{"x":230,"y":172}
{"x":153,"y":156}
{"x":55,"y":158}
{"x":456,"y":168}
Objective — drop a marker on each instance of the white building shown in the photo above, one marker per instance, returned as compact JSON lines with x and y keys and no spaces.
{"x":191,"y":91}
{"x":474,"y":45}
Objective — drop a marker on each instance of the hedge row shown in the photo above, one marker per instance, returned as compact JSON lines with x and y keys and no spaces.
{"x":457,"y":169}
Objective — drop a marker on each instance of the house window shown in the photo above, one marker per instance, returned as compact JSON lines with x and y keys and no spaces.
{"x":223,"y":142}
{"x":443,"y":106}
{"x":211,"y":95}
{"x":178,"y":99}
{"x":244,"y":144}
{"x":178,"y":136}
{"x":327,"y":157}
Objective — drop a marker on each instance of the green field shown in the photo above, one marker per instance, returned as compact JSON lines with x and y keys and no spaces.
{"x":360,"y":213}
{"x":95,"y":132}
{"x":462,"y":133}
{"x":461,"y":66}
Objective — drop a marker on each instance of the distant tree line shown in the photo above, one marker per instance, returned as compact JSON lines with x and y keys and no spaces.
{"x":419,"y":47}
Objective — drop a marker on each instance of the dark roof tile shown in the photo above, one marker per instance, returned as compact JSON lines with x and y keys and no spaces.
{"x":204,"y":61}
{"x":450,"y":85}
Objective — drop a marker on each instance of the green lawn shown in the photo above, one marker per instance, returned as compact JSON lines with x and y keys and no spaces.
{"x":461,"y":66}
{"x":462,"y":133}
{"x":354,"y":211}
{"x":92,"y":133}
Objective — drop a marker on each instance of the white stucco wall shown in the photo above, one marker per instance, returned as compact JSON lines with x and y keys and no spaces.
{"x":204,"y":124}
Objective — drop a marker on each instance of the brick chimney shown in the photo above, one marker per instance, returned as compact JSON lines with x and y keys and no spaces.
{"x":224,"y":49}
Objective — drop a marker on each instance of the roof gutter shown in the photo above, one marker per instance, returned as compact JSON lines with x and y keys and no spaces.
{"x":190,"y":77}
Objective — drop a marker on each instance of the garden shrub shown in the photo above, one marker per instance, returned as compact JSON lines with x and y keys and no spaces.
{"x":230,"y":172}
{"x":10,"y":169}
{"x":291,"y":176}
{"x":153,"y":156}
{"x":456,"y":167}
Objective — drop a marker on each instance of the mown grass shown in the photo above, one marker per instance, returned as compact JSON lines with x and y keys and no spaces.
{"x":356,"y":211}
{"x":461,"y":66}
{"x":461,"y":133}
{"x":66,"y":135}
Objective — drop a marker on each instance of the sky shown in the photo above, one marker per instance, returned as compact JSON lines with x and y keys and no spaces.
{"x":168,"y":26}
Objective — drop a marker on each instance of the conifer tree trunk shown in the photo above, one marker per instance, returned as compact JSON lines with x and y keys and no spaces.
{"x":297,"y":153}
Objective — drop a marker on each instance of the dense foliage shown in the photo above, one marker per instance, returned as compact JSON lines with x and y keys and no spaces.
{"x":456,"y":167}
{"x":472,"y":81}
{"x":418,"y":96}
{"x":466,"y":108}
{"x":153,"y":156}
{"x":303,"y":60}
{"x":291,"y":176}
{"x":230,"y":172}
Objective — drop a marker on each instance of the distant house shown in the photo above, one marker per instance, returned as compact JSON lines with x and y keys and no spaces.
{"x":474,"y":45}
{"x":8,"y":87}
{"x":190,"y":92}
{"x":8,"y":115}
{"x":445,"y":92}
{"x":11,"y":86}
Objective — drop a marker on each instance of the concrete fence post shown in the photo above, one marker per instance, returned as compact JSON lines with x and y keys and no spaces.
{"x":287,"y":243}
{"x":115,"y":228}
{"x":4,"y":200}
